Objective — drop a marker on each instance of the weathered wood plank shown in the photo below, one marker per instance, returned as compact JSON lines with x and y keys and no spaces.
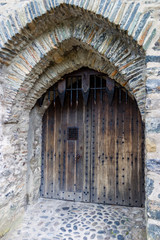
{"x":111,"y":152}
{"x":106,"y":149}
{"x":47,"y":158}
{"x":134,"y":154}
{"x":99,"y":152}
{"x":87,"y":186}
{"x":80,"y":158}
{"x":56,"y":177}
{"x":127,"y":108}
{"x":44,"y":133}
{"x":50,"y":152}
{"x":64,"y":151}
{"x":94,"y":148}
{"x":120,"y":146}
{"x":58,"y":168}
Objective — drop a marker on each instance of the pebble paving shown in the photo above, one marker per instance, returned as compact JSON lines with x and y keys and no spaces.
{"x":64,"y":220}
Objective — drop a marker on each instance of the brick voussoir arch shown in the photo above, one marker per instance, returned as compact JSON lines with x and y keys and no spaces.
{"x":71,"y":63}
{"x":19,"y":28}
{"x":41,"y":51}
{"x":74,"y":60}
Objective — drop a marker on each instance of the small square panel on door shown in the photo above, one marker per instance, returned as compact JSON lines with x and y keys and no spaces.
{"x":72,"y":133}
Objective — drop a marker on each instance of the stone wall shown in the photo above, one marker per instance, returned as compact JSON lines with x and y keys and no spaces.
{"x":34,"y":155}
{"x":41,"y":41}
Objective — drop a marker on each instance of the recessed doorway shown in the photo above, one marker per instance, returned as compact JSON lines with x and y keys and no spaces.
{"x":92,"y":142}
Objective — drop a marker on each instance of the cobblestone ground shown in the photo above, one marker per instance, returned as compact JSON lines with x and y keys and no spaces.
{"x":63,"y":220}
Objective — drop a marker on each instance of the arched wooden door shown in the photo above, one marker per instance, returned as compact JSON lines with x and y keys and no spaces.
{"x":93,"y":152}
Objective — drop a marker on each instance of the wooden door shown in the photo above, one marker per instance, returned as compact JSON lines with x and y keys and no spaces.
{"x":93,"y":152}
{"x":117,"y":151}
{"x":65,"y":153}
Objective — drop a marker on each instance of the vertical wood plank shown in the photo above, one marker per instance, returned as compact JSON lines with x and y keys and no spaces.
{"x":50,"y":152}
{"x":120,"y":157}
{"x":127,"y":108}
{"x":64,"y":123}
{"x":44,"y":133}
{"x":59,"y":168}
{"x":94,"y":148}
{"x":87,"y":191}
{"x":71,"y":149}
{"x":111,"y":147}
{"x":106,"y":149}
{"x":99,"y":151}
{"x":80,"y":146}
{"x":56,"y":174}
{"x":46,"y":162}
{"x":134,"y":154}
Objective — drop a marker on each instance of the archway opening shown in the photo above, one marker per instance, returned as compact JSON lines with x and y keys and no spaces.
{"x":92,"y":142}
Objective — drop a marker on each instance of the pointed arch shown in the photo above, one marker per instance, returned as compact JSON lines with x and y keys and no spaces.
{"x":122,"y":62}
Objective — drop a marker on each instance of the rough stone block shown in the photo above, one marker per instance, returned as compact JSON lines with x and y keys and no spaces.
{"x":153,"y":232}
{"x":153,"y":209}
{"x":153,"y":165}
{"x":150,"y":145}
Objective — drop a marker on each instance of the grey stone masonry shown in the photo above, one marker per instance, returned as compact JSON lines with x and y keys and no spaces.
{"x":40,"y":41}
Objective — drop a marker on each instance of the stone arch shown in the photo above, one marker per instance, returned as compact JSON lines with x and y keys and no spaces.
{"x":22,"y":23}
{"x":125,"y":64}
{"x":72,"y":62}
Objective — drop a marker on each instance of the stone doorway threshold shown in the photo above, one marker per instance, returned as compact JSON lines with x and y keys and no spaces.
{"x":64,"y":220}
